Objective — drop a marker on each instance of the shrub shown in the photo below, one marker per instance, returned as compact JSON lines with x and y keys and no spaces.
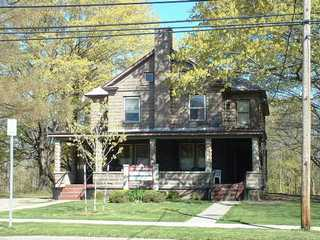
{"x":136,"y":195}
{"x":154,"y":196}
{"x":100,"y":195}
{"x":173,"y":196}
{"x":196,"y":196}
{"x":119,"y":196}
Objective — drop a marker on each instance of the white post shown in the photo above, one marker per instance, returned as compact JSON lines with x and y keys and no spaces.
{"x":255,"y":155}
{"x":125,"y":176}
{"x":85,"y":187}
{"x":11,"y":131}
{"x":208,"y":154}
{"x":11,"y":182}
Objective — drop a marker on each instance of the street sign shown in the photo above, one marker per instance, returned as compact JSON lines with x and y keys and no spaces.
{"x":12,"y":127}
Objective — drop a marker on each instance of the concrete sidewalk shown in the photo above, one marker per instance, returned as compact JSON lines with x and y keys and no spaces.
{"x":161,"y":224}
{"x":27,"y":203}
{"x":70,"y":238}
{"x":212,"y":214}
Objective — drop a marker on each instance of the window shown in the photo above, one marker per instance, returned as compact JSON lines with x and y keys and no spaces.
{"x":192,"y":156}
{"x":186,"y":156}
{"x":132,"y":109}
{"x":197,"y":108}
{"x":149,"y":76}
{"x":243,"y":110}
{"x":142,"y":154}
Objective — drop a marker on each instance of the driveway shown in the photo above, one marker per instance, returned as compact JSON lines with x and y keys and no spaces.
{"x":25,"y":203}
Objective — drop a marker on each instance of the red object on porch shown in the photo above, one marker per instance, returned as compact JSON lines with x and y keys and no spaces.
{"x":73,"y":192}
{"x":228,"y":192}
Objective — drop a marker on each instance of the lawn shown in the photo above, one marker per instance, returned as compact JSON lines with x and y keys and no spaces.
{"x":153,"y":232}
{"x":166,"y":211}
{"x":270,"y":212}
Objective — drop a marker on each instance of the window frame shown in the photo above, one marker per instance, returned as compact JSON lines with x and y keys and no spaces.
{"x":204,"y":108}
{"x":124,"y":108}
{"x":238,"y":112}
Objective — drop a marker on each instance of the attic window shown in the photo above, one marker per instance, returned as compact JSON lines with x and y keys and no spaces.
{"x":149,"y":76}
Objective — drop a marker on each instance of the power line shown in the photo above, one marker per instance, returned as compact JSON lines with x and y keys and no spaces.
{"x":217,"y":28}
{"x":99,"y":4}
{"x":153,"y":22}
{"x":126,"y":29}
{"x":102,"y":30}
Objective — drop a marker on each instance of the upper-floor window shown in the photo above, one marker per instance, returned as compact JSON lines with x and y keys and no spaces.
{"x":197,"y":108}
{"x":132,"y":109}
{"x":243,"y":110}
{"x":149,"y":76}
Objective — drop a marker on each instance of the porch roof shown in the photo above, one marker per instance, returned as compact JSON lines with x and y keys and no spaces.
{"x":214,"y":132}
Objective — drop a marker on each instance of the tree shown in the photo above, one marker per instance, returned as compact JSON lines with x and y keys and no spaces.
{"x":42,"y":82}
{"x":270,"y":57}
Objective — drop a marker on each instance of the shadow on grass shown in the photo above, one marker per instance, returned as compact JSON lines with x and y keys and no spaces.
{"x":137,"y":234}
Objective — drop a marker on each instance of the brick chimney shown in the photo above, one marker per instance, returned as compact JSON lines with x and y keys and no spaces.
{"x":162,"y":65}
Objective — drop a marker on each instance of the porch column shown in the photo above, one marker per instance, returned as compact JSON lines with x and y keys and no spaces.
{"x":153,"y":163}
{"x":57,"y":156}
{"x":255,"y":155}
{"x":208,"y":154}
{"x":98,"y":156}
{"x":153,"y":151}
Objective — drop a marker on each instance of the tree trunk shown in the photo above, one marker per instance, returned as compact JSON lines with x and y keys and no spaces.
{"x":45,"y":158}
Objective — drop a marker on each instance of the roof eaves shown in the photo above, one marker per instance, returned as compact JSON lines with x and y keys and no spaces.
{"x":128,"y":70}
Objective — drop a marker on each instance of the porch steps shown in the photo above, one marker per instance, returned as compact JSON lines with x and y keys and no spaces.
{"x":72,"y":192}
{"x":228,"y":192}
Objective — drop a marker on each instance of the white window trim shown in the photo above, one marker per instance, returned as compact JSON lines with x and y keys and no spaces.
{"x":204,"y":112}
{"x":124,"y":108}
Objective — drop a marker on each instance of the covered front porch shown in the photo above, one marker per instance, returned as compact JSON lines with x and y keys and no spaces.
{"x":177,"y":163}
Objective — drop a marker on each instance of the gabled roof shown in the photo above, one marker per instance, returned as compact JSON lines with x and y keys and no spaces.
{"x":240,"y":84}
{"x":99,"y":91}
{"x":129,"y":69}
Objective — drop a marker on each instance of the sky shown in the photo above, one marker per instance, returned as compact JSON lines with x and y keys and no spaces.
{"x":168,"y":12}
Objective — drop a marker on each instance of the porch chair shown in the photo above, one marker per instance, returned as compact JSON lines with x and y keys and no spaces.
{"x":217,"y":175}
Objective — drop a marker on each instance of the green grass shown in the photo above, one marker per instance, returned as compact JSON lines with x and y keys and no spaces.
{"x":153,"y":232}
{"x":270,"y":212}
{"x":166,"y":211}
{"x":37,"y":194}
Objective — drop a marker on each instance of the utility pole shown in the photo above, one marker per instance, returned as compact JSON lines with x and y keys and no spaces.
{"x":306,"y":152}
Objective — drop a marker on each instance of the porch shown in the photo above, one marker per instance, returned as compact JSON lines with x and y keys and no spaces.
{"x":176,"y":164}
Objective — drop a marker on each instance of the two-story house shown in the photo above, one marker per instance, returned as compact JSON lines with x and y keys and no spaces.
{"x":187,"y":143}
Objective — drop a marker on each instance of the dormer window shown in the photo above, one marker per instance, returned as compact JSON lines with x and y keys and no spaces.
{"x":197,"y":107}
{"x":132,"y":109}
{"x":243,"y":111}
{"x":149,"y":76}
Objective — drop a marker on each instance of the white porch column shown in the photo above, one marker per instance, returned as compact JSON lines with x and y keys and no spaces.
{"x":153,"y":163}
{"x":255,"y":155}
{"x":57,"y":156}
{"x":208,"y":154}
{"x":126,"y":176}
{"x":153,"y":151}
{"x":99,"y":158}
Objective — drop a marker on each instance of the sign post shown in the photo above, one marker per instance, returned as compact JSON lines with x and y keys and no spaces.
{"x":11,"y":132}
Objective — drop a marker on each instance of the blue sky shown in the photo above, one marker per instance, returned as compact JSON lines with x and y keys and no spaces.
{"x":168,"y":12}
